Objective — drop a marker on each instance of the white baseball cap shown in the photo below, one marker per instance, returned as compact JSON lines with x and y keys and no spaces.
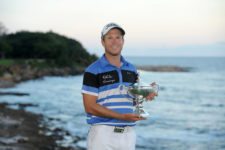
{"x":110,"y":26}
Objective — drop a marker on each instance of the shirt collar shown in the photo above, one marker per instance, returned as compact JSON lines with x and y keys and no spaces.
{"x":104,"y":62}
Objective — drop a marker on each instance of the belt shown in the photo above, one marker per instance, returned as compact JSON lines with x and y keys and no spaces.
{"x":119,"y":129}
{"x":115,"y":129}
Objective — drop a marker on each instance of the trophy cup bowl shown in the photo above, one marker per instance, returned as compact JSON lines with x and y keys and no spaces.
{"x":139,"y":95}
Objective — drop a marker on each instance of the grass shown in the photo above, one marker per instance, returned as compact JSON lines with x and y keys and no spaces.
{"x":34,"y":63}
{"x":6,"y":62}
{"x":37,"y":63}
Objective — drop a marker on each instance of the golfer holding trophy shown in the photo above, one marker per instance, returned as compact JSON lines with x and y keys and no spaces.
{"x":113,"y":96}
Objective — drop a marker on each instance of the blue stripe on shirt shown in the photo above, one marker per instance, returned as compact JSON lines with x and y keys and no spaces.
{"x":119,"y":104}
{"x":114,"y":96}
{"x":90,"y":89}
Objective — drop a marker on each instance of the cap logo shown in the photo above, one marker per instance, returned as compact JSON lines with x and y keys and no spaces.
{"x":109,"y":25}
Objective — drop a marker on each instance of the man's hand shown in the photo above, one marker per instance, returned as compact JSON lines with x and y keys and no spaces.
{"x":93,"y":108}
{"x":151,"y":96}
{"x":131,"y":117}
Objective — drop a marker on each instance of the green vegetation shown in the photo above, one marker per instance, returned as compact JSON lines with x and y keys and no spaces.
{"x":6,"y":62}
{"x":39,"y":63}
{"x":41,"y":49}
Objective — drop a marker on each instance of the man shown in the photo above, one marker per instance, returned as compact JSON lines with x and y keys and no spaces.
{"x":108,"y":106}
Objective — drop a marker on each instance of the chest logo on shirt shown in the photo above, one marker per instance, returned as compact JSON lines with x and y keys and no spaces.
{"x":107,"y":78}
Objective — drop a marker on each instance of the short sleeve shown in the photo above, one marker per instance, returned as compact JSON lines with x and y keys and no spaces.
{"x":90,"y":84}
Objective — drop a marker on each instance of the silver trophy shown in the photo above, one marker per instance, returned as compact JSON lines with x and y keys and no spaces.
{"x":139,"y":95}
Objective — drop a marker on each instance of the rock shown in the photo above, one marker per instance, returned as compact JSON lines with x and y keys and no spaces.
{"x":7,"y":76}
{"x":23,"y":140}
{"x":17,"y":73}
{"x":26,"y":136}
{"x":14,"y":93}
{"x":23,"y":106}
{"x":6,"y":84}
{"x":164,"y":68}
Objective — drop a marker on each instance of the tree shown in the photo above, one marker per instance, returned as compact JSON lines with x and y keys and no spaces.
{"x":3,"y":29}
{"x":5,"y":48}
{"x":52,"y":47}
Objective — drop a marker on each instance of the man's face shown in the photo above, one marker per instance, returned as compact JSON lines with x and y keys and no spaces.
{"x":113,"y":42}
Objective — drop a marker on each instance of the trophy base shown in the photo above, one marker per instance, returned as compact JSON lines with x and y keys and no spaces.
{"x":144,"y":115}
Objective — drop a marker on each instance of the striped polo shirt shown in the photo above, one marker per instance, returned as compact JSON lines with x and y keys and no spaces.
{"x":107,"y":82}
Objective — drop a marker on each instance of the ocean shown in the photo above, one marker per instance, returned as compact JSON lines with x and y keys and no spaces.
{"x":188,"y":114}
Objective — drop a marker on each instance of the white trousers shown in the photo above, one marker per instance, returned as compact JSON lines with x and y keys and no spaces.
{"x":103,"y":137}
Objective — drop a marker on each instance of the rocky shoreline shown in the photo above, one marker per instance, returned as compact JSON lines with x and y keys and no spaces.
{"x":11,"y":75}
{"x":164,"y":68}
{"x":22,"y":130}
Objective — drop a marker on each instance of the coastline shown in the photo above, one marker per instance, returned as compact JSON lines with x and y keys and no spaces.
{"x":11,"y":75}
{"x":22,"y":130}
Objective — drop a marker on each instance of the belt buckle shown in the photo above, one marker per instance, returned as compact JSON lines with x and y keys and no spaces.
{"x":119,"y":129}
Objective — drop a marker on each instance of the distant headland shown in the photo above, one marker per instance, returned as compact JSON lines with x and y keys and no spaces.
{"x":30,"y":55}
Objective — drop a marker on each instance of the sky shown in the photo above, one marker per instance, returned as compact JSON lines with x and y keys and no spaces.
{"x":153,"y":27}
